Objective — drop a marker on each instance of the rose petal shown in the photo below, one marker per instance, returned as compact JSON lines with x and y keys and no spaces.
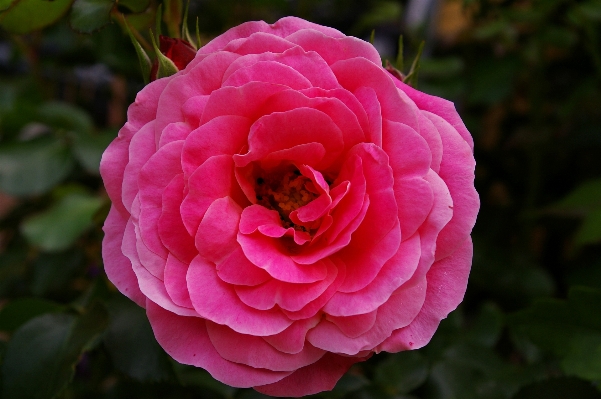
{"x":447,"y":282}
{"x":187,"y":341}
{"x":215,"y":300}
{"x":255,"y":352}
{"x":216,"y":234}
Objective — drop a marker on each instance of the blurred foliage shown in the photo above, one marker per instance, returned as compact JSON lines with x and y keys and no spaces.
{"x":525,"y":76}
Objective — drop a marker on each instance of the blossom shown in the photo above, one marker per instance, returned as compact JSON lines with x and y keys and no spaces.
{"x":284,"y":207}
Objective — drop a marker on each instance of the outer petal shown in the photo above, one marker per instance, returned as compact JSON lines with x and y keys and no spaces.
{"x":447,"y":282}
{"x":117,"y":266}
{"x":320,"y":376}
{"x":186,"y":340}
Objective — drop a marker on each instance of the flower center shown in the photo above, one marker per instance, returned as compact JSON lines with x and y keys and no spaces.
{"x":285,"y":192}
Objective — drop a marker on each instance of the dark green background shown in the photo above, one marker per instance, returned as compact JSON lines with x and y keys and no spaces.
{"x":525,"y":77}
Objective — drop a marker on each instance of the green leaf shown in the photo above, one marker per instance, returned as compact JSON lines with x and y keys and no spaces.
{"x":40,"y":358}
{"x":486,"y":331}
{"x":59,"y":226}
{"x":131,"y":343}
{"x":135,"y":6}
{"x":19,"y":311}
{"x":5,"y":4}
{"x":59,"y":115}
{"x":29,"y":15}
{"x":33,"y":167}
{"x":583,"y":198}
{"x":52,"y":272}
{"x":559,"y":388}
{"x":90,"y":15}
{"x":570,"y":329}
{"x":88,"y":149}
{"x":402,"y":372}
{"x":590,"y":231}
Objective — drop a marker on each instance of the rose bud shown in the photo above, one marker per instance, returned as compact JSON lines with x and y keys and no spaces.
{"x":177,"y":50}
{"x":284,"y":207}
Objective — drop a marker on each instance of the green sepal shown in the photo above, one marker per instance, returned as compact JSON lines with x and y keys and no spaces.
{"x":157,"y":22}
{"x":411,"y":78}
{"x":372,"y":36}
{"x":400,"y":63}
{"x":198,"y":41}
{"x":143,"y":58}
{"x":166,"y":66}
{"x":185,"y":31}
{"x":172,"y":16}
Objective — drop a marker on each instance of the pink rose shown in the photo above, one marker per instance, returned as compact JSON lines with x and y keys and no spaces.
{"x":284,"y":207}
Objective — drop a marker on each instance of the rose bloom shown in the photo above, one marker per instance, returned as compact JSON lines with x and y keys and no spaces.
{"x":284,"y":207}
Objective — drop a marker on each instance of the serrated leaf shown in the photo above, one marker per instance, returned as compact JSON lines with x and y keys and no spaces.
{"x":59,"y":226}
{"x":20,"y":311}
{"x":28,"y":15}
{"x":90,"y":15}
{"x":40,"y":358}
{"x":131,"y":343}
{"x":34,"y":167}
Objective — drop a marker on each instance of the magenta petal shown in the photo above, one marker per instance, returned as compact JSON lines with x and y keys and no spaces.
{"x":371,"y":104}
{"x":255,"y":352}
{"x":317,"y":377}
{"x":292,"y":339}
{"x":112,"y":166}
{"x":291,"y":297}
{"x":224,"y":135}
{"x":174,"y":132}
{"x":398,"y":311}
{"x":175,"y":282}
{"x":447,"y":282}
{"x":316,"y":306}
{"x":394,"y":273}
{"x":429,"y":132}
{"x":187,"y":341}
{"x":171,"y":228}
{"x":216,"y":234}
{"x":353,"y":326}
{"x":259,"y":43}
{"x":246,"y":100}
{"x":271,"y":255}
{"x":414,"y":199}
{"x":154,"y":177}
{"x":152,"y":287}
{"x":215,"y":300}
{"x":238,"y":270}
{"x":335,"y":49}
{"x":284,"y":130}
{"x":438,"y":106}
{"x":193,"y":109}
{"x":457,"y":171}
{"x":378,"y":237}
{"x":144,"y":108}
{"x":268,"y":72}
{"x":396,"y":105}
{"x":200,"y":79}
{"x":212,"y":180}
{"x":141,"y":148}
{"x":117,"y":266}
{"x":409,"y":152}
